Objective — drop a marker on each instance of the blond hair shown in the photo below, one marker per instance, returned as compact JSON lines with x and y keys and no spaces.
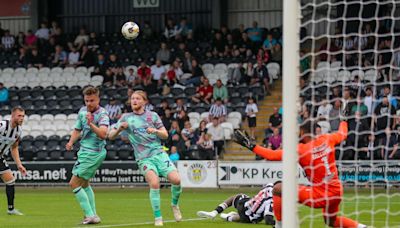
{"x":90,"y":90}
{"x":141,"y":93}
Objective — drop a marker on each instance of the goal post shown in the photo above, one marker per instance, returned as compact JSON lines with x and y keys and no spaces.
{"x":291,"y":29}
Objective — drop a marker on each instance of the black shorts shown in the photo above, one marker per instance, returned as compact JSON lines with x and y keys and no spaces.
{"x":252,"y":121}
{"x":3,"y":165}
{"x":241,"y":209}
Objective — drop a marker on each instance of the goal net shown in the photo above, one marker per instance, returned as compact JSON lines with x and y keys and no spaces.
{"x":349,"y":60}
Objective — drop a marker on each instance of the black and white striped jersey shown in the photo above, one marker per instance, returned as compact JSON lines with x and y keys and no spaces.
{"x":8,"y":136}
{"x":260,"y":205}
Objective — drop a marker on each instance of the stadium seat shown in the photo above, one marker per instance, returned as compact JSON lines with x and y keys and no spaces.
{"x":323,"y":65}
{"x":194,"y":115}
{"x":20,"y":70}
{"x":371,"y":75}
{"x":8,"y":70}
{"x":55,"y":155}
{"x":344,"y":76}
{"x":81,"y":69}
{"x":69,"y":155}
{"x":221,"y":66}
{"x":207,"y":67}
{"x":60,"y":117}
{"x":32,"y":70}
{"x":45,"y":70}
{"x":336,"y":65}
{"x":359,"y":73}
{"x":70,"y":70}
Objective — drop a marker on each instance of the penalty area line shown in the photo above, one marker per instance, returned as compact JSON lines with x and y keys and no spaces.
{"x":144,"y":223}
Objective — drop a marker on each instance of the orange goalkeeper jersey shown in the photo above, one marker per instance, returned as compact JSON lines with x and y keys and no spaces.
{"x":316,"y":157}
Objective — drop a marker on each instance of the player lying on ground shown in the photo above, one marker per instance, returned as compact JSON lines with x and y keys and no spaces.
{"x":145,"y":131}
{"x":10,"y":135}
{"x":317,"y":158}
{"x":92,"y":124}
{"x":249,"y":210}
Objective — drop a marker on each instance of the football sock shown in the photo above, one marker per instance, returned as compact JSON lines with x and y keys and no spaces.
{"x":83,"y":200}
{"x":90,"y":195}
{"x":277,"y":207}
{"x":221,"y":208}
{"x":345,"y":222}
{"x":155,"y":202}
{"x":176,"y":191}
{"x":10,"y":192}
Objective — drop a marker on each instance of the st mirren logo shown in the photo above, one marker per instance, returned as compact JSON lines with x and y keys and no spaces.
{"x":197,"y":173}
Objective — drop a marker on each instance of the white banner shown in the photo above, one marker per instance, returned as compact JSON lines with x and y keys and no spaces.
{"x":252,"y":173}
{"x":198,"y":174}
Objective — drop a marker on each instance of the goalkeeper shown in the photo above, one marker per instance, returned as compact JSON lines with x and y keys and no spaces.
{"x":249,"y":210}
{"x":317,"y":158}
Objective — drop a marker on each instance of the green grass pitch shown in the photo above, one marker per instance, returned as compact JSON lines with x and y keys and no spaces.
{"x":130,"y":207}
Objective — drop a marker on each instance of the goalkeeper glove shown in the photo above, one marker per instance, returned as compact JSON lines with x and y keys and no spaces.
{"x":243,"y":139}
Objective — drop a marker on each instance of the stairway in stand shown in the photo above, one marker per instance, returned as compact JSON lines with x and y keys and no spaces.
{"x":236,"y":152}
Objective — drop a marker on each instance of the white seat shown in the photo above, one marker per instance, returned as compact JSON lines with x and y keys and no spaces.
{"x":26,"y":128}
{"x":273,"y":72}
{"x":323,"y":65}
{"x":235,"y":122}
{"x":194,"y":115}
{"x":186,"y":76}
{"x":58,"y":70}
{"x":336,"y":65}
{"x":7,"y":117}
{"x":37,"y":127}
{"x":45,"y":84}
{"x":232,"y":65}
{"x":34,"y":117}
{"x":20,"y":70}
{"x":82,"y":83}
{"x":81,"y":69}
{"x":228,"y":130}
{"x":67,"y":75}
{"x":71,"y":123}
{"x":344,"y":75}
{"x":21,"y":84}
{"x":95,"y":83}
{"x":204,"y":115}
{"x":72,"y":116}
{"x":58,"y":84}
{"x":8,"y":70}
{"x":60,"y":117}
{"x":213,"y":77}
{"x":6,"y":76}
{"x":207,"y":66}
{"x":371,"y":75}
{"x":79,"y":75}
{"x":97,"y":78}
{"x":130,"y":67}
{"x":45,"y":70}
{"x":274,"y":66}
{"x":71,"y":83}
{"x":69,"y":70}
{"x":359,"y":73}
{"x":91,"y":69}
{"x":49,"y":133}
{"x":221,"y":66}
{"x":48,"y":117}
{"x":62,"y":132}
{"x":325,"y":127}
{"x":219,"y":71}
{"x":236,"y":115}
{"x":207,"y":72}
{"x":32,"y":70}
{"x":48,"y":126}
{"x":35,"y":133}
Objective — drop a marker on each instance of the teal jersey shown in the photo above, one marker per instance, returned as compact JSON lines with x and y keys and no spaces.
{"x":89,"y":140}
{"x":144,"y":145}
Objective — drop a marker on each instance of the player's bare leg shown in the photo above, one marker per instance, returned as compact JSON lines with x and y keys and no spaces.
{"x":9,"y":180}
{"x":154,"y":184}
{"x":219,"y":209}
{"x":77,"y":184}
{"x":176,"y":190}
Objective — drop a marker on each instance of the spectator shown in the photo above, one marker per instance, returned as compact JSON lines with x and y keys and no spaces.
{"x":395,"y":154}
{"x":43,"y":32}
{"x":201,"y":130}
{"x":171,"y":78}
{"x":387,"y":93}
{"x":324,"y":109}
{"x":21,"y":40}
{"x":249,"y":73}
{"x":1,"y":31}
{"x":204,"y":93}
{"x":158,"y":73}
{"x":276,"y":55}
{"x":48,"y":48}
{"x":275,"y":141}
{"x":358,"y":135}
{"x":60,"y":57}
{"x":188,"y":134}
{"x":60,"y":37}
{"x":120,"y":78}
{"x":34,"y":59}
{"x":184,"y":28}
{"x":217,"y":135}
{"x":251,"y":113}
{"x":275,"y":121}
{"x":245,"y":44}
{"x":356,"y":86}
{"x":218,"y":110}
{"x":86,"y":57}
{"x":174,"y":154}
{"x":108,"y":78}
{"x":269,"y":42}
{"x":263,"y":56}
{"x":334,"y":114}
{"x":304,"y":62}
{"x":22,"y":58}
{"x":81,"y":39}
{"x":347,"y":100}
{"x":147,"y":31}
{"x":336,"y":93}
{"x":179,"y":106}
{"x":174,"y":131}
{"x":389,"y":145}
{"x":53,"y":28}
{"x":359,"y":107}
{"x":144,"y":73}
{"x":30,"y":39}
{"x":220,"y":91}
{"x":73,"y":57}
{"x":182,"y":117}
{"x":187,"y":65}
{"x":206,"y":147}
{"x":162,"y":107}
{"x":369,"y":101}
{"x":236,"y":75}
{"x":218,"y":44}
{"x":178,"y":71}
{"x":100,"y":67}
{"x":131,"y":78}
{"x":164,"y":54}
{"x":255,"y":33}
{"x":261,"y":75}
{"x":170,"y":29}
{"x":3,"y":95}
{"x":93,"y":43}
{"x":383,"y":117}
{"x":7,"y":41}
{"x":114,"y":110}
{"x":167,"y":119}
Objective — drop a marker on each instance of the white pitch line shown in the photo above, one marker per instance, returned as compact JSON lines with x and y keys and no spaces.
{"x":144,"y":223}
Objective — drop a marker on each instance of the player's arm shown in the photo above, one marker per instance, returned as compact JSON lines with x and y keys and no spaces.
{"x":15,"y":156}
{"x":76,"y":133}
{"x":159,"y":128}
{"x":101,"y":130}
{"x":244,"y":140}
{"x":117,"y":129}
{"x":341,"y":134}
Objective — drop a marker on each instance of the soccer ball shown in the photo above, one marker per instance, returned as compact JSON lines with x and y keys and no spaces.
{"x":130,"y":30}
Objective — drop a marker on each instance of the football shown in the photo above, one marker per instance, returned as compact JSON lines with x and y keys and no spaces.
{"x":130,"y":30}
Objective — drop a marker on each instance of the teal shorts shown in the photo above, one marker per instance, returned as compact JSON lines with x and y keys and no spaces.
{"x":87,"y":164}
{"x":159,"y":163}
